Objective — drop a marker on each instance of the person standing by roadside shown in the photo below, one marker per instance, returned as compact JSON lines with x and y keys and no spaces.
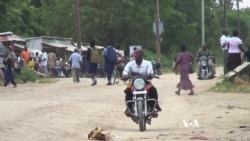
{"x":235,"y":46}
{"x":26,"y":56}
{"x":182,"y":66}
{"x":75,"y":60}
{"x":223,"y":43}
{"x":37,"y":59}
{"x":13,"y":57}
{"x":9,"y":76}
{"x":93,"y":58}
{"x":44,"y":62}
{"x":51,"y":63}
{"x":132,"y":57}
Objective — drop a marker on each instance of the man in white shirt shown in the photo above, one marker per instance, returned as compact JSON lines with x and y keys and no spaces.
{"x":44,"y":62}
{"x":139,"y":66}
{"x":75,"y":59}
{"x":223,"y":43}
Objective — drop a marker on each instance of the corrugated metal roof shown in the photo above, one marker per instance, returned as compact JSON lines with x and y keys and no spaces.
{"x":71,"y":48}
{"x":55,"y":44}
{"x":9,"y":36}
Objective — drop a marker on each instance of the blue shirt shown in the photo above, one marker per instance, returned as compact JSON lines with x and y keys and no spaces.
{"x":75,"y":59}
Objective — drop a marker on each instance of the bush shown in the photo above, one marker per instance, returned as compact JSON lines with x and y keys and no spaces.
{"x":27,"y":75}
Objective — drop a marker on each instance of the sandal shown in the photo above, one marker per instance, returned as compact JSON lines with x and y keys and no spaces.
{"x":178,"y":93}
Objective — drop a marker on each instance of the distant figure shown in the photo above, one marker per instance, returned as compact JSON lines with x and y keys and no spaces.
{"x":26,"y":55}
{"x":51,"y":62}
{"x":44,"y":62}
{"x":234,"y":51}
{"x":247,"y":54}
{"x":9,"y":76}
{"x":223,"y":43}
{"x":182,"y":66}
{"x":93,"y":57}
{"x":13,"y":56}
{"x":75,"y":60}
{"x":110,"y":55}
{"x":133,"y":54}
{"x":37,"y":60}
{"x":31,"y":64}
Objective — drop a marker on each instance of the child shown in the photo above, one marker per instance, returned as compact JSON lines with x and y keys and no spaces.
{"x":31,"y":64}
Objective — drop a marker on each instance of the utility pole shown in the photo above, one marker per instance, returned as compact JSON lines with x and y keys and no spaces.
{"x":158,"y":38}
{"x":202,"y":22}
{"x":225,"y":14}
{"x":78,"y":25}
{"x":238,"y":15}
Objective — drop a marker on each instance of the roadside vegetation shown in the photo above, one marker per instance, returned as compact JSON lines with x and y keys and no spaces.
{"x":123,"y":25}
{"x":28,"y":76}
{"x":239,"y":84}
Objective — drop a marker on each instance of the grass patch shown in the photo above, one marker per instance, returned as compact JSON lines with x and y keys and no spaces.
{"x":237,"y":85}
{"x":27,"y":75}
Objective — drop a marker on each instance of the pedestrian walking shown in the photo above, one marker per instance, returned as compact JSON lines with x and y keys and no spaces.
{"x":182,"y":66}
{"x":93,"y":57}
{"x":75,"y":60}
{"x":110,"y":55}
{"x":9,"y":76}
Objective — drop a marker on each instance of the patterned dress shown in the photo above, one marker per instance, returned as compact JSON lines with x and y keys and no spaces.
{"x":183,"y":61}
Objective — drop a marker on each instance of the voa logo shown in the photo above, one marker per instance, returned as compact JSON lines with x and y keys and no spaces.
{"x":191,"y":123}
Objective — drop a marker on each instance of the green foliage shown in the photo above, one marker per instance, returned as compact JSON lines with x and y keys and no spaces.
{"x":166,"y":63}
{"x":28,"y":75}
{"x":126,"y":22}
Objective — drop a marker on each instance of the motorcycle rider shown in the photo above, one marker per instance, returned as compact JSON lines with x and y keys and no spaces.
{"x":139,"y":66}
{"x":204,"y":51}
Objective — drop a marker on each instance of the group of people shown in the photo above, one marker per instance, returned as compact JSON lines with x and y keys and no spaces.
{"x":93,"y":57}
{"x":232,"y":50}
{"x":37,"y":61}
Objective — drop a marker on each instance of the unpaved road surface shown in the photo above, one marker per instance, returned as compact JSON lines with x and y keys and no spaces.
{"x":67,"y":111}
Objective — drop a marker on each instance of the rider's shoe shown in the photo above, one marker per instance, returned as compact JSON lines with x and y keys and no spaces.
{"x":155,"y":114}
{"x":94,"y":83}
{"x":158,"y":107}
{"x":127,"y":113}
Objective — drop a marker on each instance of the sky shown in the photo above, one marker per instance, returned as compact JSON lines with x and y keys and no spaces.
{"x":245,"y":3}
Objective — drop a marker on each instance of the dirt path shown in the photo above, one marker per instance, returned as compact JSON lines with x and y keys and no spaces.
{"x":65,"y":111}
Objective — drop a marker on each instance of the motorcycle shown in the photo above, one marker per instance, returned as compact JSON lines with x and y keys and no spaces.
{"x":156,"y":67}
{"x":205,"y":70}
{"x":143,"y":109}
{"x":66,"y":70}
{"x":58,"y":72}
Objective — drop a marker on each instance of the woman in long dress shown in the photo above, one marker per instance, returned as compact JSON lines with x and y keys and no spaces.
{"x":182,"y":66}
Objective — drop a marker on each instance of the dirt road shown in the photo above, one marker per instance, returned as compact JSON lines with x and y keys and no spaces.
{"x":65,"y":111}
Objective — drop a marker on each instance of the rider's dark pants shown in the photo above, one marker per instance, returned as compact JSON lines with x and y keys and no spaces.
{"x":152,"y":93}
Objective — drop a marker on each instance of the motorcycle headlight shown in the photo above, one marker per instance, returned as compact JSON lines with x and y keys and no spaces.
{"x":139,"y":84}
{"x":203,"y":63}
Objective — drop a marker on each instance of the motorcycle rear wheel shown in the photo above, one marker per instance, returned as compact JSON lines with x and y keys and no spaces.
{"x":142,"y":123}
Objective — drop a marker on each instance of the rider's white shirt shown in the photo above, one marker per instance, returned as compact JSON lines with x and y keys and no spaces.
{"x":145,"y":68}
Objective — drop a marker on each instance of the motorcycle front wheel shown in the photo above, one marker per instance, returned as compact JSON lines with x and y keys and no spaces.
{"x":142,"y":123}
